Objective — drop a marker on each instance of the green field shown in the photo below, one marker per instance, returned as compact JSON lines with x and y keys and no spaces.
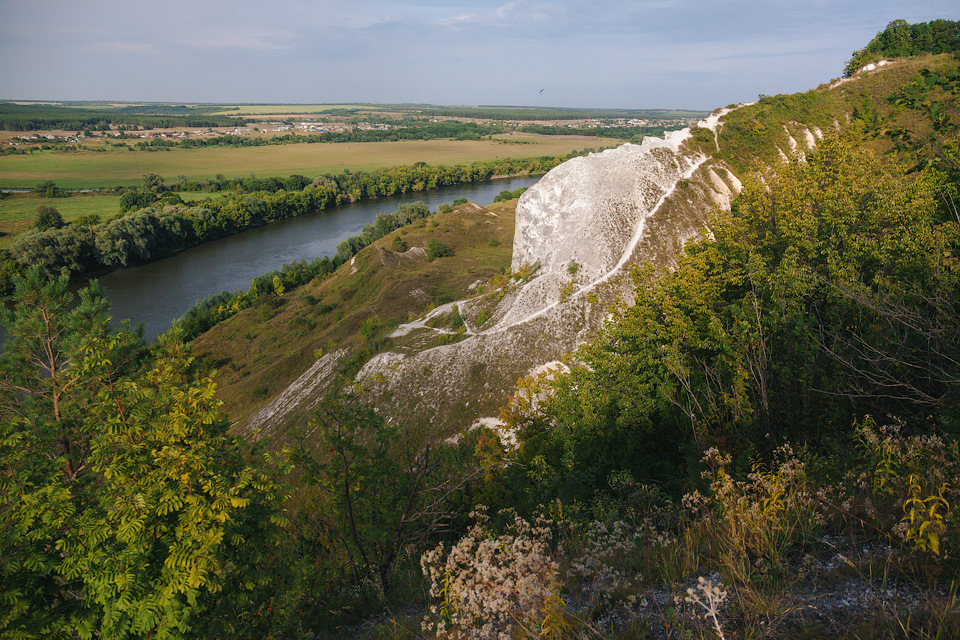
{"x":18,"y":210}
{"x":126,"y":168}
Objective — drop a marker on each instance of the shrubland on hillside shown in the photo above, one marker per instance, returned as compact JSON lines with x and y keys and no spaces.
{"x":736,"y":415}
{"x":577,"y":236}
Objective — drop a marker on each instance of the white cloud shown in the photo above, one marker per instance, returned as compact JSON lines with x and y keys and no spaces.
{"x":463,"y":18}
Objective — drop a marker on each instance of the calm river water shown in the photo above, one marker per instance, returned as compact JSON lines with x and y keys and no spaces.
{"x":158,"y":293}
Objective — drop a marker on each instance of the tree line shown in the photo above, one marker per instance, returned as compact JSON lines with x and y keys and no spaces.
{"x":403,"y":131}
{"x":18,"y":117}
{"x":634,"y":134}
{"x":155,"y":222}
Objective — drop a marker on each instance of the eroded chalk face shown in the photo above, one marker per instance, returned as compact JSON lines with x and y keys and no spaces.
{"x":589,"y":210}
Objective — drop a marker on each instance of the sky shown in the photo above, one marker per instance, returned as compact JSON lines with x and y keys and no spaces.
{"x":645,"y":54}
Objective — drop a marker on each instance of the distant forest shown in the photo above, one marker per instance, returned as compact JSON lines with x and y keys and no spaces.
{"x":37,"y":117}
{"x":497,"y":112}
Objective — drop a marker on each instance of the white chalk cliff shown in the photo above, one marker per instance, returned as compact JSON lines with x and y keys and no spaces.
{"x":605,"y":212}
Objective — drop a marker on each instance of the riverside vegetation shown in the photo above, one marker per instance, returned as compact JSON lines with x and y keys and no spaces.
{"x":764,"y":444}
{"x":154,"y":221}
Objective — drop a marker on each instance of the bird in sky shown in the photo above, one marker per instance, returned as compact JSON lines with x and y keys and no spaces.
{"x":541,"y":91}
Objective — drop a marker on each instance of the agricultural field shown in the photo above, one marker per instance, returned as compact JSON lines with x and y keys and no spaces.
{"x":118,"y":167}
{"x":18,"y":210}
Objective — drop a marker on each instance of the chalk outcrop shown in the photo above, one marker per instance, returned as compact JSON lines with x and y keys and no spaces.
{"x":585,"y":224}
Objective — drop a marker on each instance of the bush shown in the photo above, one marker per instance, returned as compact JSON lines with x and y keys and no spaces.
{"x":47,"y":218}
{"x":49,"y":189}
{"x":437,"y":249}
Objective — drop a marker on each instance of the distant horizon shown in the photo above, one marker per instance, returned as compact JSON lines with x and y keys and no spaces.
{"x":188,"y":103}
{"x":605,"y":54}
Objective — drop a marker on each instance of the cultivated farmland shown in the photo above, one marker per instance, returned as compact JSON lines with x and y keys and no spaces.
{"x":118,"y":167}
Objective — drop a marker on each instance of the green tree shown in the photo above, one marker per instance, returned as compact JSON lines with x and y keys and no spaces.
{"x":125,"y":509}
{"x":49,"y":189}
{"x":384,"y":490}
{"x":135,"y":199}
{"x":153,"y":183}
{"x":47,"y":218}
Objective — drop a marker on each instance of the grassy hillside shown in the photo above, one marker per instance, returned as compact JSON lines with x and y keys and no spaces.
{"x":261,"y":350}
{"x":752,"y":137}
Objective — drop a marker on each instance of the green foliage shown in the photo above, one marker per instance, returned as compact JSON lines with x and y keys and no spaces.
{"x":47,"y":218}
{"x":125,"y":509}
{"x":901,"y":39}
{"x":137,"y":237}
{"x":204,"y":314}
{"x":438,"y":249}
{"x":88,"y":220}
{"x":383,"y":492}
{"x":829,"y":292}
{"x":49,"y":189}
{"x":136,"y":199}
{"x":506,"y":195}
{"x":629,"y":133}
{"x":936,"y":97}
{"x":458,"y":201}
{"x":925,"y":517}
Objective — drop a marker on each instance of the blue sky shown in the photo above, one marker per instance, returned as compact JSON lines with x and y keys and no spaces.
{"x":596,"y":53}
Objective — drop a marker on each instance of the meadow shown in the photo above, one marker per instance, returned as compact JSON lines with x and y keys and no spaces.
{"x":126,"y":168}
{"x":17,"y":211}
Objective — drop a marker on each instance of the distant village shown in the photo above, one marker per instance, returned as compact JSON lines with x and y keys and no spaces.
{"x":309,"y":126}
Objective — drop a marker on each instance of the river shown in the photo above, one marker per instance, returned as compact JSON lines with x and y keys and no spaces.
{"x":158,"y":293}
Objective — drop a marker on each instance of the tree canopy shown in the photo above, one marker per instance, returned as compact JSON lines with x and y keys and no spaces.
{"x":901,"y":39}
{"x":125,"y":509}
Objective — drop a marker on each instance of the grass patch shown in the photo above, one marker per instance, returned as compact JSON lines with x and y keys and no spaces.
{"x":18,"y":210}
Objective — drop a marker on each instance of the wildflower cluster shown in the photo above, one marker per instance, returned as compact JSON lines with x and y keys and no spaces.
{"x":597,"y":552}
{"x":768,"y":512}
{"x":487,"y":583}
